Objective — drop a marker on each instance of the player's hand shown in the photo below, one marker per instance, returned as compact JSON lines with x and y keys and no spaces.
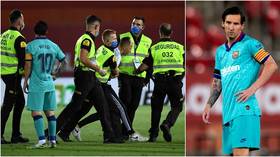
{"x":25,"y":87}
{"x":53,"y":76}
{"x":102,"y":72}
{"x":244,"y":95}
{"x":206,"y":114}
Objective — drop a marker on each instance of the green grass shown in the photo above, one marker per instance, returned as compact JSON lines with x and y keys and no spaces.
{"x":92,"y":144}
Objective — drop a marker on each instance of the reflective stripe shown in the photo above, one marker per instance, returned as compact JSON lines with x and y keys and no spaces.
{"x":8,"y":54}
{"x":123,"y":114}
{"x":8,"y":65}
{"x":168,"y":66}
{"x":137,"y":54}
{"x":127,"y":64}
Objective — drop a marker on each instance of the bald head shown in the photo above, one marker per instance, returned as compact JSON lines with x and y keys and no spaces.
{"x":165,"y":29}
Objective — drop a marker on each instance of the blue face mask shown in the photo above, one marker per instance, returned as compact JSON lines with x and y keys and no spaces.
{"x":114,"y":44}
{"x":135,"y":29}
{"x":96,"y":34}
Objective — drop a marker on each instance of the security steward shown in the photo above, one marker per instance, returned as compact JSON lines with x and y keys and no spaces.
{"x":12,"y":62}
{"x":167,"y":59}
{"x":87,"y":86}
{"x":130,"y":84}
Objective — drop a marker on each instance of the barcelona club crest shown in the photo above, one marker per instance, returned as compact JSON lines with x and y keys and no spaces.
{"x":235,"y":54}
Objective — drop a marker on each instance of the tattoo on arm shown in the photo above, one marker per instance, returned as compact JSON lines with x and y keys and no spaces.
{"x":215,"y":92}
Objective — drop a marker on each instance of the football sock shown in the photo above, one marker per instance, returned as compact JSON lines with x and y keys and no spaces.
{"x":52,"y":128}
{"x":39,"y":126}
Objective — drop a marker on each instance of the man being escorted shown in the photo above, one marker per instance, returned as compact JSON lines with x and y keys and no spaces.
{"x":237,"y":67}
{"x":167,"y":59}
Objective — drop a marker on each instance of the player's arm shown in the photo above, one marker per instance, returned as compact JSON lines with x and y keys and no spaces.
{"x":60,"y":65}
{"x":215,"y":92}
{"x":27,"y":71}
{"x":215,"y":89}
{"x":268,"y":69}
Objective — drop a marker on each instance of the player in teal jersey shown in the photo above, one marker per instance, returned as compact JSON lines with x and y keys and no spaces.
{"x":237,"y":65}
{"x":41,"y":55}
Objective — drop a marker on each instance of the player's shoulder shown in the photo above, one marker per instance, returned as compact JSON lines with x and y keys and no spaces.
{"x":250,"y":40}
{"x":220,"y":49}
{"x":52,"y":43}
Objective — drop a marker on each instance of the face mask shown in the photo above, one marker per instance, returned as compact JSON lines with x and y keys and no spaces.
{"x":114,"y":44}
{"x":96,"y":34}
{"x":135,"y":30}
{"x":22,"y":26}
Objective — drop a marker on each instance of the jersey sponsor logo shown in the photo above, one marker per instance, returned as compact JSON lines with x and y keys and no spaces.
{"x":229,"y":70}
{"x":86,"y":42}
{"x":235,"y":54}
{"x":23,"y":44}
{"x":247,"y":107}
{"x":259,"y":46}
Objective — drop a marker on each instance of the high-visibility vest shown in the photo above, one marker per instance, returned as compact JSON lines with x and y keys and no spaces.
{"x":140,"y":52}
{"x":167,"y":55}
{"x":102,"y":55}
{"x":91,"y":54}
{"x":9,"y":60}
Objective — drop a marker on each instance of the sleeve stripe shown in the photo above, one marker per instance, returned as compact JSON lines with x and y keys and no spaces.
{"x":216,"y":71}
{"x":265,"y":58}
{"x":260,"y":55}
{"x":61,"y":59}
{"x":217,"y":76}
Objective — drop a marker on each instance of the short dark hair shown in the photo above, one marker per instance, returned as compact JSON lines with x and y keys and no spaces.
{"x":139,"y":18}
{"x":125,"y":41}
{"x":233,"y":11}
{"x":91,"y":19}
{"x":41,"y":28}
{"x":14,"y":15}
{"x":106,"y":33}
{"x":165,"y":29}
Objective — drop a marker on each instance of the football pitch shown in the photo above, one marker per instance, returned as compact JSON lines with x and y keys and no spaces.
{"x":92,"y":144}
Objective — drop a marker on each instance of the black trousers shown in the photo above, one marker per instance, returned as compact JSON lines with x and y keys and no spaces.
{"x":116,"y":110}
{"x":130,"y":89}
{"x":171,"y":86}
{"x":13,"y":99}
{"x":87,"y":91}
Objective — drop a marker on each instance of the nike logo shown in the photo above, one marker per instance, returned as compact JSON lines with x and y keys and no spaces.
{"x":243,"y":140}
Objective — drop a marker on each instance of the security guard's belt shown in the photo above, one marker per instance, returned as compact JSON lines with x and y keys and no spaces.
{"x":170,"y":73}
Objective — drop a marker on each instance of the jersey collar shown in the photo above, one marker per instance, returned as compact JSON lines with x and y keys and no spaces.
{"x":41,"y":37}
{"x":241,"y":36}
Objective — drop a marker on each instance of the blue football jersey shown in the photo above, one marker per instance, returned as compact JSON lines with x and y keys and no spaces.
{"x":238,"y":68}
{"x":44,"y":54}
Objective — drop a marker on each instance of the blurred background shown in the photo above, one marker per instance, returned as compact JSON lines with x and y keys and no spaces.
{"x":204,"y":34}
{"x":66,"y":21}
